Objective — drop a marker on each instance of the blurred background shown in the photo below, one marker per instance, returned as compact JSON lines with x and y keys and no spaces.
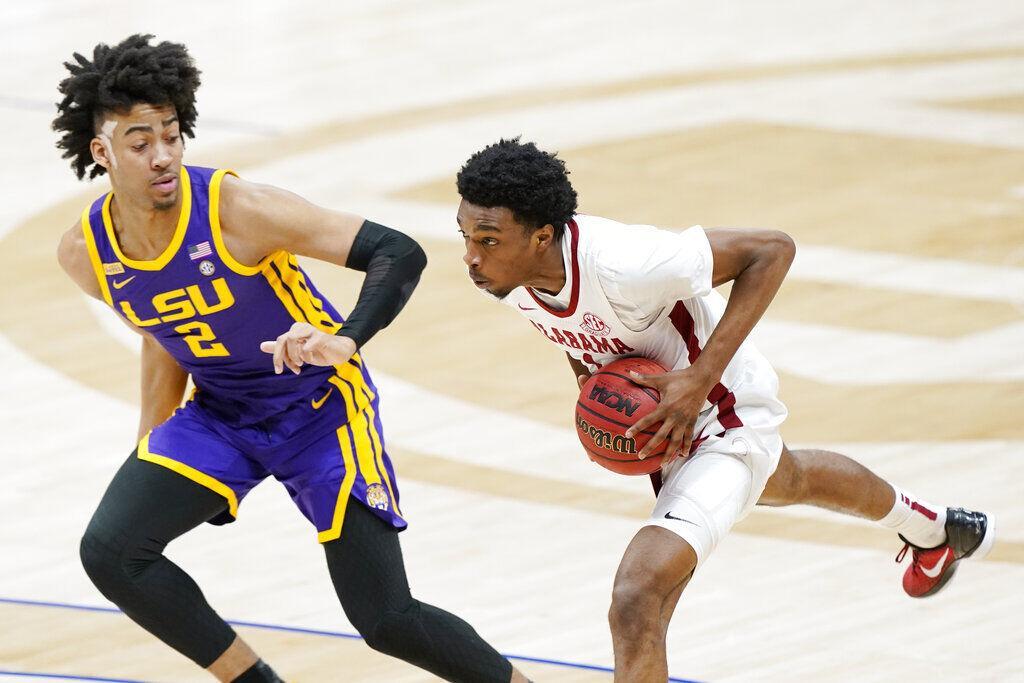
{"x":887,"y":138}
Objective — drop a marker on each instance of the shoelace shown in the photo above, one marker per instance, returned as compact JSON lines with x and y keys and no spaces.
{"x":903,"y":553}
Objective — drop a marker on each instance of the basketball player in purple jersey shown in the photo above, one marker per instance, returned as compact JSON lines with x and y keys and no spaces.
{"x":600,"y":291}
{"x":202,"y":264}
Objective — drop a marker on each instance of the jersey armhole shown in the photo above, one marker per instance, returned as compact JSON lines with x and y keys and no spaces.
{"x":218,"y":237}
{"x":94,"y":257}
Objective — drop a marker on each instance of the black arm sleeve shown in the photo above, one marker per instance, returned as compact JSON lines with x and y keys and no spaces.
{"x":392,"y":262}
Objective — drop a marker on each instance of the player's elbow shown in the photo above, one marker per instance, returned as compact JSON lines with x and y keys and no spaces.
{"x":66,"y":251}
{"x":779,"y":246}
{"x":417,"y":257}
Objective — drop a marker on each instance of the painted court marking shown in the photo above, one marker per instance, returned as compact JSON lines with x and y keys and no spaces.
{"x":268,"y":627}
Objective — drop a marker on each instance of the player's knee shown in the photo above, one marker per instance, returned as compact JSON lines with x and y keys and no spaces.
{"x":636,"y":605}
{"x":392,"y":631}
{"x":101,"y":559}
{"x":790,"y":484}
{"x":108,"y":561}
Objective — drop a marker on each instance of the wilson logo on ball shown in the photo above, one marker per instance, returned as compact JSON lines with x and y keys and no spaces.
{"x":602,"y":438}
{"x":614,"y":400}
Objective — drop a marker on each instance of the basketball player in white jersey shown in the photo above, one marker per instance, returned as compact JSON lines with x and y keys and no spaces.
{"x":601,"y":290}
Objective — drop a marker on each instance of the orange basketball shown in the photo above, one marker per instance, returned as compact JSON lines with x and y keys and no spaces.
{"x":609,"y":404}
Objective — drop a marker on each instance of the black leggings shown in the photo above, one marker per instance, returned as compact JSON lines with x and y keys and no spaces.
{"x":147,"y":506}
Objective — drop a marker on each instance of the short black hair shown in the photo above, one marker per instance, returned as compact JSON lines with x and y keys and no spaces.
{"x":132,"y":72}
{"x":530,"y":182}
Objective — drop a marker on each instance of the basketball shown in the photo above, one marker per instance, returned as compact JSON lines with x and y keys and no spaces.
{"x":609,"y":404}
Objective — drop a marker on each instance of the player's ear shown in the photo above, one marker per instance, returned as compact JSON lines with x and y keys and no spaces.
{"x":544,"y":235}
{"x":99,"y":153}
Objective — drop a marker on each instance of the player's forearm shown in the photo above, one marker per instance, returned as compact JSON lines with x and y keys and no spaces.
{"x":752,"y":291}
{"x":163,"y":386}
{"x":393,"y":263}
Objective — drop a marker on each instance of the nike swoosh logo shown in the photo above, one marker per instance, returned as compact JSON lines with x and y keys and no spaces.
{"x":122,"y":283}
{"x":669,"y":515}
{"x":524,"y":308}
{"x":316,"y":404}
{"x":937,"y":569}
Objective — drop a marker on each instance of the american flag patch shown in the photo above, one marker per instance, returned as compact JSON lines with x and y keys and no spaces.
{"x":197,"y":251}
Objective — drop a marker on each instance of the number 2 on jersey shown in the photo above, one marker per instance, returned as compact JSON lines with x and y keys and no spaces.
{"x":203,"y":342}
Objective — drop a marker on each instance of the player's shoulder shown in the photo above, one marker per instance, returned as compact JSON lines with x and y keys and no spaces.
{"x":607,"y":233}
{"x":247,"y":203}
{"x":608,"y":242}
{"x":636,"y":262}
{"x":73,"y":257}
{"x":238,"y":194}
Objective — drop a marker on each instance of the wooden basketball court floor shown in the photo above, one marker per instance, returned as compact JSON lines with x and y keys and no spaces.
{"x":888,"y":138}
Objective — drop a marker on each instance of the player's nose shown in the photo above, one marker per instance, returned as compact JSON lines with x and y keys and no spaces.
{"x":162,"y":157}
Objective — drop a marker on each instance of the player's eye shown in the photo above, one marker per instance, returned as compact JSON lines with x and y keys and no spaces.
{"x":139,"y":147}
{"x":489,"y":241}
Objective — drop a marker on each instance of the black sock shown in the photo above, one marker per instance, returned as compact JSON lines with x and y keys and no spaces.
{"x":258,"y":673}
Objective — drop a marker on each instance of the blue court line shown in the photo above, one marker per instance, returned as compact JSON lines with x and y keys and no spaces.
{"x":269,"y":627}
{"x":67,"y":677}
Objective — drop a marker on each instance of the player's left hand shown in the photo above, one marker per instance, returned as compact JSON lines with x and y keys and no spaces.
{"x":303,"y":343}
{"x":683,"y":393}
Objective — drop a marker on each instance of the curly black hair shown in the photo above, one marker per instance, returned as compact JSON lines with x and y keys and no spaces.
{"x":131,"y":72}
{"x":530,"y":182}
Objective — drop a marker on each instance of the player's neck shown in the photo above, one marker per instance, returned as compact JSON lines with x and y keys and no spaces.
{"x":549,"y":276}
{"x":143,"y":232}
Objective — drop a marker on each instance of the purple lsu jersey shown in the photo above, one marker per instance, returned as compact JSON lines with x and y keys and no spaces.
{"x":211,"y":312}
{"x":318,"y":432}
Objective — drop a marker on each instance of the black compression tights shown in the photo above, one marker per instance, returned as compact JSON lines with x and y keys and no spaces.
{"x":147,"y":506}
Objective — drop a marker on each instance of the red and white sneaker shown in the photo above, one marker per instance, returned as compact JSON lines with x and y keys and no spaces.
{"x":968,"y":534}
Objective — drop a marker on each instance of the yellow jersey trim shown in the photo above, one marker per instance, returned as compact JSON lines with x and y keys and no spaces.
{"x":290,"y":304}
{"x":218,"y":236}
{"x":94,"y":257}
{"x":364,"y":450}
{"x":296,"y":278}
{"x":189,"y":473}
{"x":379,"y":448}
{"x":176,"y":240}
{"x":343,"y":492}
{"x":312,"y":307}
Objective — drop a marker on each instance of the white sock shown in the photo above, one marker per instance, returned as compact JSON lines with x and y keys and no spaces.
{"x":920,"y":522}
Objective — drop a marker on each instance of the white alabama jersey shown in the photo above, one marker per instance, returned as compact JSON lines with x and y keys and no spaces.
{"x":595,"y":322}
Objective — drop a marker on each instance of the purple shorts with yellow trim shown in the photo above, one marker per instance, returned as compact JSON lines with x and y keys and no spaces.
{"x":323,"y":450}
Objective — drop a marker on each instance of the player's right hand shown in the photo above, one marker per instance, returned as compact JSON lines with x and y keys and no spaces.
{"x":303,"y":343}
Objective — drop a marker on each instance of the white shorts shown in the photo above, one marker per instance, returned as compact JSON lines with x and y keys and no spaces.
{"x":703,"y":496}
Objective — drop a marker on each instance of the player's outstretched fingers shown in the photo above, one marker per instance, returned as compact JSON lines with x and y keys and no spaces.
{"x":293,"y":353}
{"x":684,"y":448}
{"x":653,"y":417}
{"x":659,"y":436}
{"x":675,"y":444}
{"x":652,"y":381}
{"x":279,"y":354}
